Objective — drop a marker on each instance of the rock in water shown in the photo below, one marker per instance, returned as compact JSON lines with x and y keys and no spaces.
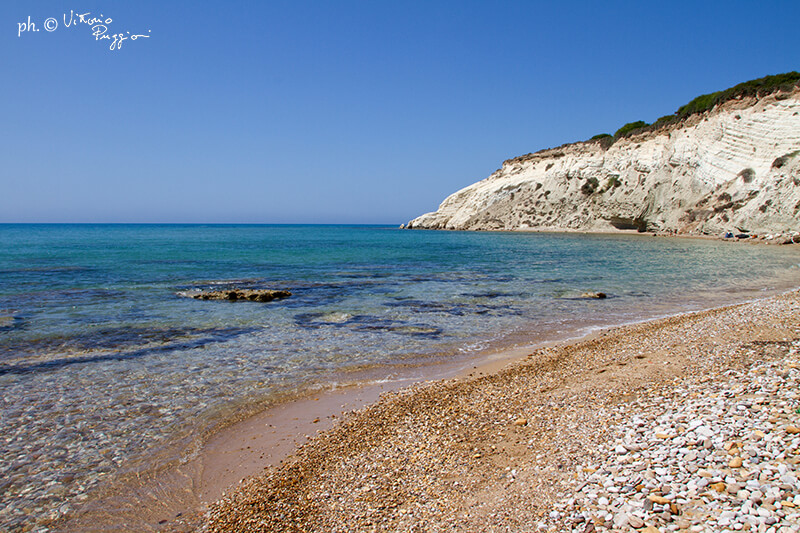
{"x":595,"y":295}
{"x":257,"y":295}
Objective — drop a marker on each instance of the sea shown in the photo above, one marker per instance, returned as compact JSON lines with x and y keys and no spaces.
{"x":107,"y":366}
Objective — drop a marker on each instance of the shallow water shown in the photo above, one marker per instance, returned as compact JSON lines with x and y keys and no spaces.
{"x":106,"y":368}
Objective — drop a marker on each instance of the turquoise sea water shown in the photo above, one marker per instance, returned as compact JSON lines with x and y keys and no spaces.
{"x":106,"y":367}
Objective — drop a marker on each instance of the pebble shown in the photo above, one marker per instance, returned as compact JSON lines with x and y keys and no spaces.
{"x":722,"y":460}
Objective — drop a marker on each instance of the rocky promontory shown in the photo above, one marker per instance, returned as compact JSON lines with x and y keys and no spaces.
{"x":728,"y":168}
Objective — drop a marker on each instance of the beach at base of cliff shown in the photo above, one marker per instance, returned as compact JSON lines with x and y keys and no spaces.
{"x":683,"y":423}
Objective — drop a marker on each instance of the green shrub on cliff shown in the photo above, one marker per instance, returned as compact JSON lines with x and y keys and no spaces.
{"x":760,"y":87}
{"x":590,"y":186}
{"x":705,"y":102}
{"x":700,"y":104}
{"x":603,"y":139}
{"x":629,"y":127}
{"x":666,"y":119}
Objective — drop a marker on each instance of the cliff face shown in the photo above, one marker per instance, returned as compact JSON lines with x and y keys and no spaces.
{"x":735,"y":168}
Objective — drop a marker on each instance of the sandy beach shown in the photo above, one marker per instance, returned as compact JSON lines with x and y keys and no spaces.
{"x":511,"y":450}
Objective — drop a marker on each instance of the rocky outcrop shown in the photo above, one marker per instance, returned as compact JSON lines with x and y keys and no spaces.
{"x":735,"y":168}
{"x":7,"y":320}
{"x":258,"y":295}
{"x":594,"y":295}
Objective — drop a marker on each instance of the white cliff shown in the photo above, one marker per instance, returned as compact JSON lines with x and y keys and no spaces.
{"x":735,"y":168}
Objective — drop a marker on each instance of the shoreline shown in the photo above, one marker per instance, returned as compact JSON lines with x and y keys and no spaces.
{"x":175,"y":497}
{"x":353,"y":428}
{"x":265,"y":440}
{"x":772,"y":239}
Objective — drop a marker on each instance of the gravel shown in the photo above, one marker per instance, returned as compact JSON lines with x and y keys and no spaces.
{"x":715,"y":453}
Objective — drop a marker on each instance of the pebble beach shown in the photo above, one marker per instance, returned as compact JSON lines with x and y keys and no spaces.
{"x":688,"y":423}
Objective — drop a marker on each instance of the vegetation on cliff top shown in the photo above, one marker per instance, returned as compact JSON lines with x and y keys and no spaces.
{"x":629,"y":127}
{"x":760,"y":87}
{"x":754,"y":88}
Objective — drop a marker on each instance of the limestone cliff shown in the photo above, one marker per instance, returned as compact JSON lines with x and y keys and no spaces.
{"x":734,"y":168}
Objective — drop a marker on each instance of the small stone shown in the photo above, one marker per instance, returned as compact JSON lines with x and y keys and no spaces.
{"x":650,"y":529}
{"x":635,"y":522}
{"x":792,"y":430}
{"x":736,"y":462}
{"x":658,"y":499}
{"x":621,"y":520}
{"x":719,"y":487}
{"x":521,"y":422}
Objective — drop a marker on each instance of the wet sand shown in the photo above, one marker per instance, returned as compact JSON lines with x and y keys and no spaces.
{"x":492,"y":450}
{"x":175,"y":497}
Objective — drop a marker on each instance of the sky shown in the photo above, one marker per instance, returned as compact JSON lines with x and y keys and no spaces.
{"x":336,"y":111}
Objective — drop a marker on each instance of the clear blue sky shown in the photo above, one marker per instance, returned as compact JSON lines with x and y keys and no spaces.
{"x":337,"y":111}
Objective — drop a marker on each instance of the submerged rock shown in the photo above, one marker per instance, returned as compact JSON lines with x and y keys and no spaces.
{"x":595,"y":295}
{"x":257,"y":295}
{"x":8,"y":320}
